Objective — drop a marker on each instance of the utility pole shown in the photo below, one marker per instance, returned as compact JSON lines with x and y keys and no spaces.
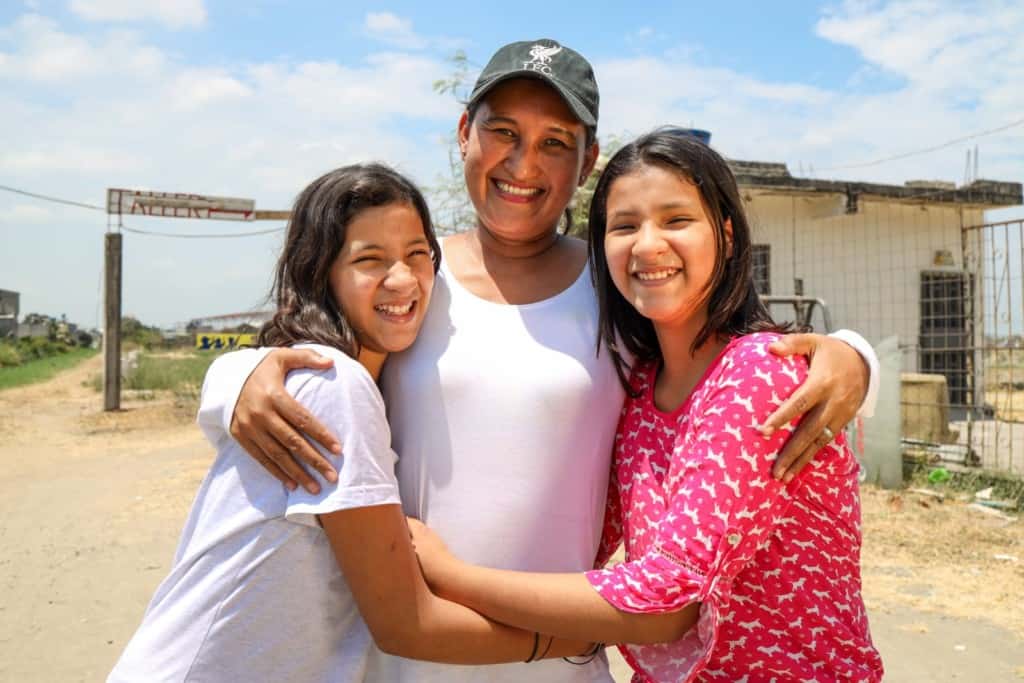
{"x":162,"y":204}
{"x":112,"y":322}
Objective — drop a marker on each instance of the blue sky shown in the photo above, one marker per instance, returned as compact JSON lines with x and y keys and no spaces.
{"x":254,"y":99}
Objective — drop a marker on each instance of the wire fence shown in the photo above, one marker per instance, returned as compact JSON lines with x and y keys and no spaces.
{"x":948,"y":286}
{"x":987,"y":394}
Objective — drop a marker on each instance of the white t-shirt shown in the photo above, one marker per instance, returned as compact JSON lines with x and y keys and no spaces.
{"x":255,"y":593}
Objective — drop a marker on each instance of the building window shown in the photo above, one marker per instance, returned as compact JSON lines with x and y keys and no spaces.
{"x":762,"y":259}
{"x":944,"y":338}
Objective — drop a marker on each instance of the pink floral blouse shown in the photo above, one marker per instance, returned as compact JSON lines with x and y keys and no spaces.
{"x":774,"y":566}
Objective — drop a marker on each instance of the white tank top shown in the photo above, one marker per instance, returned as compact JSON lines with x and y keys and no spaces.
{"x":503,"y":418}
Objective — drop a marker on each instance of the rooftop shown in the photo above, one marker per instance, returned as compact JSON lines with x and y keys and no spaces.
{"x":776,"y":178}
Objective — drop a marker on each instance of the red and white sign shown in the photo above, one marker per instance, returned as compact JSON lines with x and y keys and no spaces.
{"x":179,"y":205}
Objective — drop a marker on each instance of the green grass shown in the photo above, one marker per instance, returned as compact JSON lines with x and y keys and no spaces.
{"x":42,"y":369}
{"x":1005,"y":486}
{"x":180,"y":374}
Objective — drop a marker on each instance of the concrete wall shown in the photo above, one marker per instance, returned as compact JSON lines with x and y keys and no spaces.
{"x":9,"y":303}
{"x":36,"y":330}
{"x":925,"y":401}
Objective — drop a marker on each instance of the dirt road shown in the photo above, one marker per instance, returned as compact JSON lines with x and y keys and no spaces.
{"x":91,"y":505}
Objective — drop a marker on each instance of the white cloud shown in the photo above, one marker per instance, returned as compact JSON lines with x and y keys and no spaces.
{"x":958,"y":70}
{"x":53,"y":155}
{"x":171,"y":13}
{"x":644,"y":92}
{"x":24,"y":214}
{"x":83,"y":111}
{"x":132,"y":115}
{"x":933,"y":45}
{"x":385,"y":85}
{"x":641,"y":36}
{"x":45,"y":54}
{"x":194,"y":89}
{"x":392,"y":30}
{"x":398,"y":32}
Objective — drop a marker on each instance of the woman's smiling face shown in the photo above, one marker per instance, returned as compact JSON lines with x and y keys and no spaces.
{"x":525,"y":153}
{"x":660,"y":245}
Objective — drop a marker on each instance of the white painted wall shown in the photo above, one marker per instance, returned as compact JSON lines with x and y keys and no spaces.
{"x":867,"y":265}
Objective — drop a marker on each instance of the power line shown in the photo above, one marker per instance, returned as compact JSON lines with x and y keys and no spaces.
{"x":94,"y":207}
{"x":926,"y":150}
{"x":197,"y":236}
{"x":48,"y":198}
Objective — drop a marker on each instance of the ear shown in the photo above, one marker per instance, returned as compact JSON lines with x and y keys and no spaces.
{"x":462,"y":133}
{"x":589,"y":159}
{"x":727,"y":226}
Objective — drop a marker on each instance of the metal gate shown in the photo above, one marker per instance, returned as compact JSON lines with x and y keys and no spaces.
{"x":987,"y":382}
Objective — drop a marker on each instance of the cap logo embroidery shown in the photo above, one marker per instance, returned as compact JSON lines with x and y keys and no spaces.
{"x":540,"y":58}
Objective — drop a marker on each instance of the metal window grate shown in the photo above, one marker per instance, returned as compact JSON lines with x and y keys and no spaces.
{"x":944,"y":337}
{"x":761,"y":257}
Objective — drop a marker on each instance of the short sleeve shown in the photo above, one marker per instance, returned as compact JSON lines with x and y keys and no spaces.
{"x":721,"y":502}
{"x":346,"y":400}
{"x":223,"y":383}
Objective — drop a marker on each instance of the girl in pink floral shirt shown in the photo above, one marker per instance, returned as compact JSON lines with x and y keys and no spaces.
{"x":730,"y":574}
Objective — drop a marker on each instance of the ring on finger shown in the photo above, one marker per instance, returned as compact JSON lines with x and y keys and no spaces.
{"x":828,"y":434}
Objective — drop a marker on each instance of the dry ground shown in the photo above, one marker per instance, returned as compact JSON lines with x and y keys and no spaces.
{"x":91,"y":505}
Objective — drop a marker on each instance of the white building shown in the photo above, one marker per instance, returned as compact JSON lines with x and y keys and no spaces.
{"x":887,"y":260}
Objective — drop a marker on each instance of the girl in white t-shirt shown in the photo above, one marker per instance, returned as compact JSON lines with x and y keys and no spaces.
{"x":275,"y":583}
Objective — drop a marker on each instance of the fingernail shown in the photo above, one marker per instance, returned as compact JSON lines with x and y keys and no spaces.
{"x":336,"y":448}
{"x":290,"y":485}
{"x":331,"y":476}
{"x":313,"y":488}
{"x":766,"y":430}
{"x":777,"y":475}
{"x":789,"y":477}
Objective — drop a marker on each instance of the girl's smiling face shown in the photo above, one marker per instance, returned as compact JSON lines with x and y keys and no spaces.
{"x":383,"y":276}
{"x":660,"y":245}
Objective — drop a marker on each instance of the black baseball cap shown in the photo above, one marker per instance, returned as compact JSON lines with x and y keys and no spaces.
{"x":564,"y":69}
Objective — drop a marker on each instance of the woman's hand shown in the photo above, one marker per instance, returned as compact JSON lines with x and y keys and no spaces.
{"x":435,"y":558}
{"x":836,"y":384}
{"x":273,"y":427}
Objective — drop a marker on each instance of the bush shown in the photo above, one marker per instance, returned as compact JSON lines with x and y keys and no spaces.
{"x":30,"y":348}
{"x":83,"y":339}
{"x":135,"y":332}
{"x":33,"y":370}
{"x":18,"y":352}
{"x":9,"y":356}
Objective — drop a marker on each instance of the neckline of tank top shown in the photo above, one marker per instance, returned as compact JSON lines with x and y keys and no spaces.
{"x":454,"y":285}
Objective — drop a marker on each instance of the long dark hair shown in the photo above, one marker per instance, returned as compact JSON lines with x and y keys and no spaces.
{"x":733,"y":305}
{"x":306,"y":310}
